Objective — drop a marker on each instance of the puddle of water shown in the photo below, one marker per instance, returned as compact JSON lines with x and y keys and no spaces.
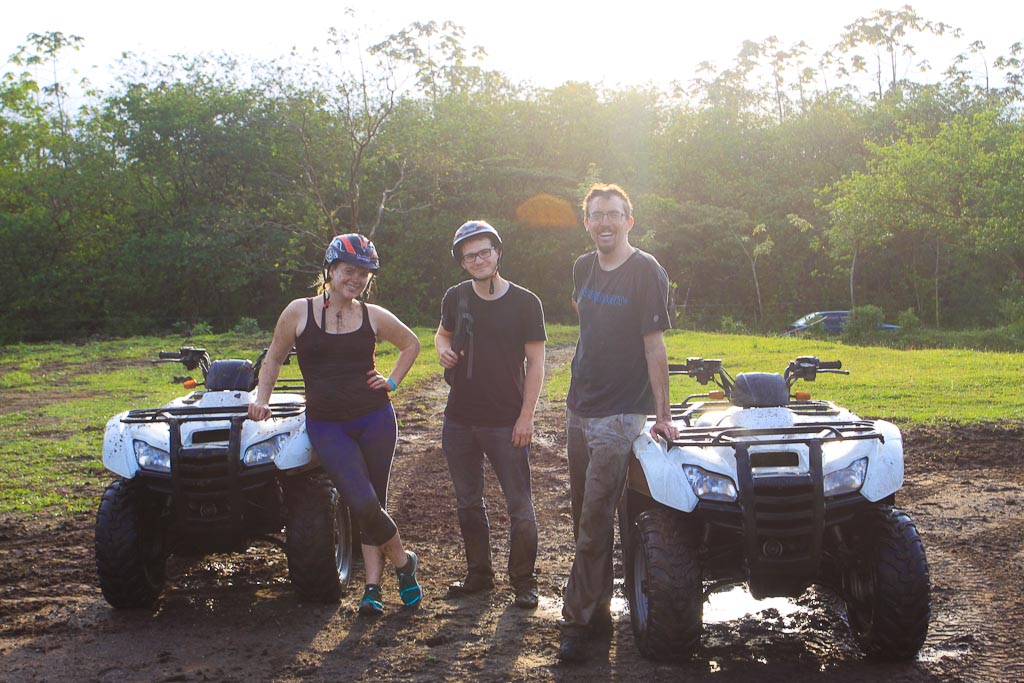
{"x":736,"y":602}
{"x":618,"y":605}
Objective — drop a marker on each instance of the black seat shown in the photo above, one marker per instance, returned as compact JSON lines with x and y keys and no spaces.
{"x":759,"y":390}
{"x":230,"y":375}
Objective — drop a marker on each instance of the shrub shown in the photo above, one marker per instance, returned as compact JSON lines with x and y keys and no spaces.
{"x":908,"y":321}
{"x":247,"y":326}
{"x":201,"y":327}
{"x":730,"y":325}
{"x":863,"y":322}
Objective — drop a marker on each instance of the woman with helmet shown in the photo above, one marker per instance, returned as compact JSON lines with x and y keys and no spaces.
{"x":349,"y":417}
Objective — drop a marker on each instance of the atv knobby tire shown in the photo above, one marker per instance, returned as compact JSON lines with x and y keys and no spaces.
{"x":887,"y":589}
{"x":664,"y":589}
{"x":318,"y":539}
{"x":130,"y":558}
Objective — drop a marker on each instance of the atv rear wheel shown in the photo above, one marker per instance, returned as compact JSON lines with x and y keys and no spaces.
{"x":130,"y":557}
{"x":887,"y":588}
{"x":663,"y":586}
{"x":318,"y":539}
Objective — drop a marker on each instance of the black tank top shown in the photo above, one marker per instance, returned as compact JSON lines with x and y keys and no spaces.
{"x":334,"y":367}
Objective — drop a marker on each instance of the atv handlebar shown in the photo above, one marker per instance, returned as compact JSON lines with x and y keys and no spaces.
{"x":189,"y":356}
{"x":808,"y":367}
{"x":706,"y":370}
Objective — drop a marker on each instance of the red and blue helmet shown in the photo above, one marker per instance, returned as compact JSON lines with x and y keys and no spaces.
{"x":472,"y":229}
{"x":352,"y":248}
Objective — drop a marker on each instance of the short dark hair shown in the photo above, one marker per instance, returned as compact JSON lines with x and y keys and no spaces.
{"x":607,"y":190}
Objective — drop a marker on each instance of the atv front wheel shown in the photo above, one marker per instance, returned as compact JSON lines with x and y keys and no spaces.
{"x":664,"y":588}
{"x":886,"y":588}
{"x":130,"y":557}
{"x":318,"y":539}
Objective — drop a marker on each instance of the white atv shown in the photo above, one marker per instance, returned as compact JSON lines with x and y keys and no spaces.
{"x":196,"y":476}
{"x":778,"y":492}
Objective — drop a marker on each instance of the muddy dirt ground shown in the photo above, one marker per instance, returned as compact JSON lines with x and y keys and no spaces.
{"x":235,"y":618}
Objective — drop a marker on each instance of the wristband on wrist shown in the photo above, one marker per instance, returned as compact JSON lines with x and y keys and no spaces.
{"x":391,"y":383}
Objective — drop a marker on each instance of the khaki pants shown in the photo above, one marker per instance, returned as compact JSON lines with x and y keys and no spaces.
{"x":598,"y":451}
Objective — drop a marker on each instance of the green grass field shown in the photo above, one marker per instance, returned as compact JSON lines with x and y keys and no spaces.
{"x":56,"y":398}
{"x":934,"y":385}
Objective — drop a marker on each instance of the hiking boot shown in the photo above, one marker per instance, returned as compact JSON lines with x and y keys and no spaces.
{"x":408,"y":588}
{"x":473,"y":583}
{"x":573,"y":648}
{"x":371,"y":605}
{"x":526,"y":595}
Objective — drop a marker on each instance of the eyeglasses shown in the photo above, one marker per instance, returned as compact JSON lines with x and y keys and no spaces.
{"x":483,"y":254}
{"x":613,"y":216}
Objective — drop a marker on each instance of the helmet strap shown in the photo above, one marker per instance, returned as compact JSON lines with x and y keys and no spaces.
{"x":490,"y":279}
{"x":366,"y":290}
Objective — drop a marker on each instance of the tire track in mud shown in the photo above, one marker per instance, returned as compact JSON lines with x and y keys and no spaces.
{"x":974,"y":629}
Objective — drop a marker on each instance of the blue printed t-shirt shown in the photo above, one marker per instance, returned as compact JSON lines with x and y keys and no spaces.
{"x":616,"y":309}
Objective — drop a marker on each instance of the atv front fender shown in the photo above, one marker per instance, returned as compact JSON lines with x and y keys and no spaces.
{"x":118,"y":450}
{"x":885,"y":469}
{"x":664,"y":472}
{"x":298,"y":452}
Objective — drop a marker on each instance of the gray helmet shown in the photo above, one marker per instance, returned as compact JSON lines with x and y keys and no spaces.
{"x":472,"y":229}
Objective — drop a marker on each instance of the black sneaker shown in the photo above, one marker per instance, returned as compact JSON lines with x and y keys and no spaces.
{"x":526,"y":595}
{"x":573,"y":649}
{"x":371,"y":605}
{"x":408,"y":588}
{"x":473,"y":583}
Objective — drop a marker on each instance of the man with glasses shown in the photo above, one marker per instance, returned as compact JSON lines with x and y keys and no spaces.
{"x":619,"y":376}
{"x":496,"y":375}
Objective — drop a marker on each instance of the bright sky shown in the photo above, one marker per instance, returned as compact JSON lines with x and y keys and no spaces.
{"x":545,"y":42}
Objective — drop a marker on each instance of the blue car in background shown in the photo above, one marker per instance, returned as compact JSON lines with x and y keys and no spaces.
{"x":829,"y":322}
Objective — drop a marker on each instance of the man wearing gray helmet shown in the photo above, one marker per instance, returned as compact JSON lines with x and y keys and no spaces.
{"x":491,"y":344}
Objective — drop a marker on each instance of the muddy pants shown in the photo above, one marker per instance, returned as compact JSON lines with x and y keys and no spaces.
{"x":598,"y":453}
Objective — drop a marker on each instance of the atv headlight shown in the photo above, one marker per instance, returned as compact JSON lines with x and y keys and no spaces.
{"x":265,"y":451}
{"x":151,"y":457}
{"x":848,"y":479}
{"x":708,"y":485}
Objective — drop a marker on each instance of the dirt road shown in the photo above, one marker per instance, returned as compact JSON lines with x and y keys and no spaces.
{"x":235,"y":618}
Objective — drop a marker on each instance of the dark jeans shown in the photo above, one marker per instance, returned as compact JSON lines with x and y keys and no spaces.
{"x":357,"y":456}
{"x":598,"y":451}
{"x":464,"y":448}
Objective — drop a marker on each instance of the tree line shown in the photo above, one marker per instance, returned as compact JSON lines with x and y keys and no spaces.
{"x":205,"y":188}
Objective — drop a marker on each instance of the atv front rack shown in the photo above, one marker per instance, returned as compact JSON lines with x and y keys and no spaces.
{"x":196,"y":414}
{"x":737,"y":437}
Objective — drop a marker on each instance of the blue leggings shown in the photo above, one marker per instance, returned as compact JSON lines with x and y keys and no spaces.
{"x":357,"y":456}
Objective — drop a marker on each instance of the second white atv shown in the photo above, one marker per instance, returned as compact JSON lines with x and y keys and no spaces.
{"x":778,"y":492}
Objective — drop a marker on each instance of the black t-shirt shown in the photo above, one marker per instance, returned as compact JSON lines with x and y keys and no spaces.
{"x":616,"y":308}
{"x":501,"y":329}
